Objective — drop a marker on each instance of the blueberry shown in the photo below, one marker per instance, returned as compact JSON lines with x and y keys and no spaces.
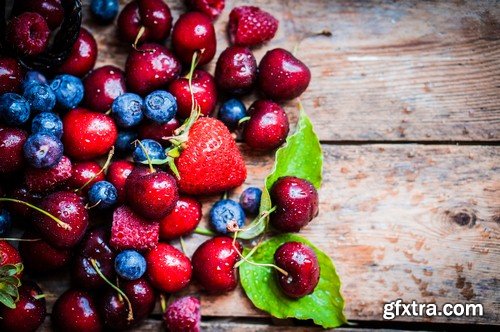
{"x":130,"y":265}
{"x":103,"y":195}
{"x":231,"y":112}
{"x":33,"y":77}
{"x":224,"y":212}
{"x":160,"y":106}
{"x":41,"y":97}
{"x":47,"y":122}
{"x":250,"y":200}
{"x":14,"y":109}
{"x":104,"y":11}
{"x":128,"y":110}
{"x":152,"y":148}
{"x":68,"y":90}
{"x":43,"y":150}
{"x":5,"y":222}
{"x":124,"y":142}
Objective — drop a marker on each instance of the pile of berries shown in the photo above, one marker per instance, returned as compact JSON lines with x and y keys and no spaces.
{"x":109,"y":221}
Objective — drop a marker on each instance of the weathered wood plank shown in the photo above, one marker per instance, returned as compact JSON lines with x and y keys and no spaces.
{"x":400,"y":221}
{"x":382,"y":70}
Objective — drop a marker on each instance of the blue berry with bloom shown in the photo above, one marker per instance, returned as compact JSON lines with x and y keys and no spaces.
{"x":41,"y":97}
{"x":47,"y":122}
{"x":33,"y":77}
{"x":152,"y":148}
{"x":5,"y":222}
{"x":130,"y":265}
{"x":250,"y":200}
{"x":68,"y":90}
{"x":128,"y":110}
{"x":224,"y":213}
{"x":231,"y":112}
{"x":43,"y":150}
{"x":14,"y":109}
{"x":160,"y":106}
{"x":104,"y":11}
{"x":124,"y":141}
{"x":102,"y":195}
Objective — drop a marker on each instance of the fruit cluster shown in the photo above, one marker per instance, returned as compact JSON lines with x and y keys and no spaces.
{"x":109,"y":220}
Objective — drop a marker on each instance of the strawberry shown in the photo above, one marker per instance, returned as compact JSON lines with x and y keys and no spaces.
{"x":129,"y":231}
{"x":210,"y":162}
{"x":251,"y":26}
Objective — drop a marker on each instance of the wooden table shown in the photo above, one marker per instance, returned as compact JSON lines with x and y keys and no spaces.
{"x":405,"y":98}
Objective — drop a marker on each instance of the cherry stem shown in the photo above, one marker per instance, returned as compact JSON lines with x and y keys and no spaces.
{"x":103,"y":168}
{"x":99,"y":272}
{"x":225,"y":195}
{"x":204,"y":231}
{"x":262,"y":216}
{"x":140,"y":33}
{"x":40,"y":296}
{"x":194,"y":63}
{"x":163,"y":302}
{"x":93,"y":206}
{"x":183,"y":245}
{"x":18,"y":239}
{"x":57,"y":220}
{"x":244,"y":119}
{"x":150,"y":163}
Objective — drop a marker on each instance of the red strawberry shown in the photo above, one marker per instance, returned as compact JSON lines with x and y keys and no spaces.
{"x":45,"y":179}
{"x":131,"y":231}
{"x":211,"y":162}
{"x":8,"y":254}
{"x":251,"y":26}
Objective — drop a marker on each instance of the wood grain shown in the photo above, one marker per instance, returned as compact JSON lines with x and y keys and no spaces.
{"x":382,"y":70}
{"x":399,"y":221}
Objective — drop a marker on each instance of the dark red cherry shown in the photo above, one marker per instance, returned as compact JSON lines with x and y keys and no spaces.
{"x":68,"y":207}
{"x":204,"y":91}
{"x":29,"y":313}
{"x":152,"y":15}
{"x":28,"y":34}
{"x":82,"y":57}
{"x":46,"y":179}
{"x":211,"y":8}
{"x":296,"y":202}
{"x":82,"y":173}
{"x":236,"y":70}
{"x":75,"y":310}
{"x":194,"y":32}
{"x":11,"y":75}
{"x":182,"y":220}
{"x":51,"y":10}
{"x":40,"y":257}
{"x":213,"y":264}
{"x":150,"y":67}
{"x":268,"y":126}
{"x":102,"y":86}
{"x":158,"y":131}
{"x":11,"y":148}
{"x":88,"y":134}
{"x":117,"y":174}
{"x":302,"y":265}
{"x":114,"y":309}
{"x":282,"y":76}
{"x":151,"y":195}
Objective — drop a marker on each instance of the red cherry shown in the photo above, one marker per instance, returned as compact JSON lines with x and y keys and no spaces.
{"x":28,"y":34}
{"x":194,"y":32}
{"x":24,"y":194}
{"x":75,"y":310}
{"x":268,"y":126}
{"x":83,"y":55}
{"x":213,"y":264}
{"x":158,"y":131}
{"x":211,"y":8}
{"x":169,"y":270}
{"x":68,"y":207}
{"x":51,"y":10}
{"x":204,"y":91}
{"x":11,"y":148}
{"x":236,"y":70}
{"x":150,"y":67}
{"x":46,"y":179}
{"x":84,"y":171}
{"x":102,"y":86}
{"x":183,"y":220}
{"x":153,"y":15}
{"x":88,"y":134}
{"x":11,"y":75}
{"x":152,"y":195}
{"x":117,"y":174}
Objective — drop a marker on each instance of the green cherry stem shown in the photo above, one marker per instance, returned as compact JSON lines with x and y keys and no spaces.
{"x":143,"y":148}
{"x":57,"y":220}
{"x":163,"y":302}
{"x":40,"y":296}
{"x":244,"y":119}
{"x":103,"y":168}
{"x":99,"y":272}
{"x":18,"y":239}
{"x":204,"y":231}
{"x":183,"y":245}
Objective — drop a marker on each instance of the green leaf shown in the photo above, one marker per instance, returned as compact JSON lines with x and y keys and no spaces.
{"x":302,"y":157}
{"x":324,"y":306}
